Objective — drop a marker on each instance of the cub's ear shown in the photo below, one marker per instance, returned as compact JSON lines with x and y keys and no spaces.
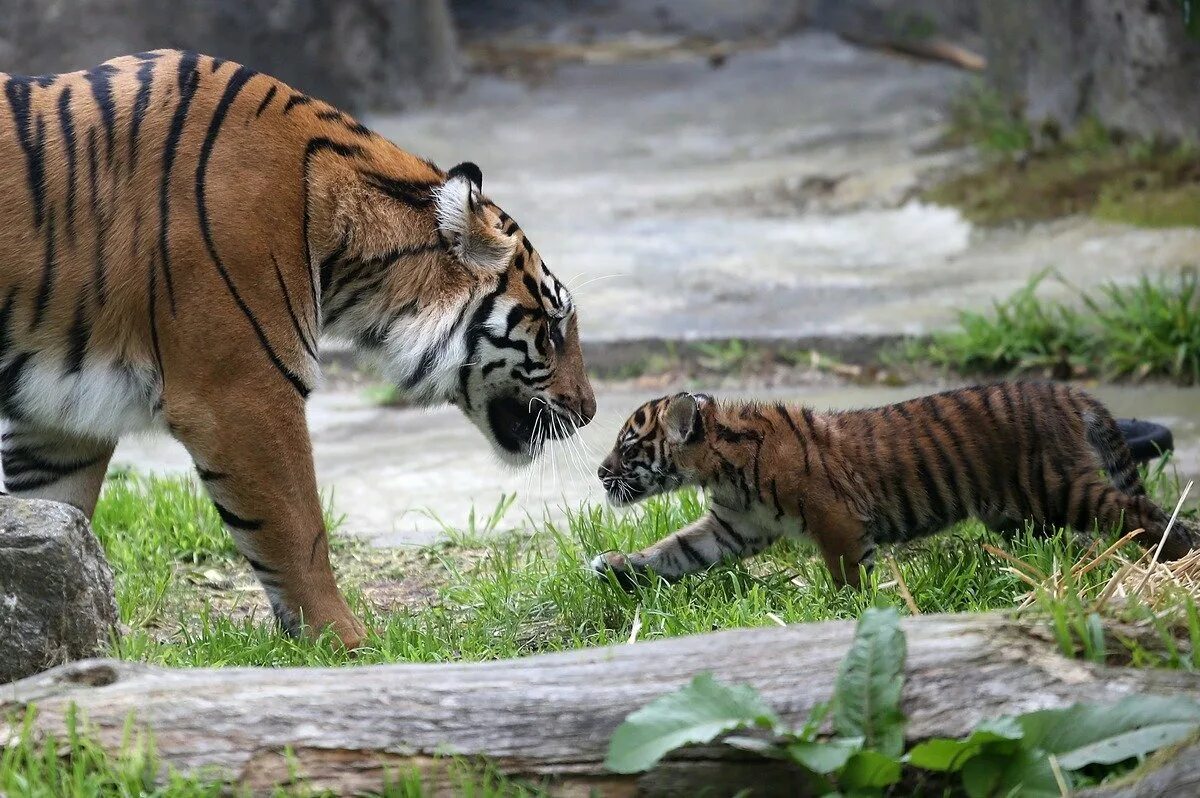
{"x":682,"y":420}
{"x":462,"y":221}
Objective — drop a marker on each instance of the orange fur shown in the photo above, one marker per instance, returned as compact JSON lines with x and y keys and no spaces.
{"x":179,"y":231}
{"x":1005,"y":453}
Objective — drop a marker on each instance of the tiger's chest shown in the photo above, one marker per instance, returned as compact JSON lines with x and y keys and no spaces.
{"x":97,"y":400}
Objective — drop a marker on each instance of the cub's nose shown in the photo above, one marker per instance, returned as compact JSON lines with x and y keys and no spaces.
{"x":608,"y":469}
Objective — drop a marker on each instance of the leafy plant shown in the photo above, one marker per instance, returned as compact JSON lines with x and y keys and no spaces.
{"x":1033,"y":754}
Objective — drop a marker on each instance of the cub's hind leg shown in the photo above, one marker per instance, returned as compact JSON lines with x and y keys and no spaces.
{"x":1093,"y":499}
{"x":41,"y":463}
{"x":252,"y":451}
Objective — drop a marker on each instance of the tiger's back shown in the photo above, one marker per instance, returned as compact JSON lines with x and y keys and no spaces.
{"x":1007,"y":454}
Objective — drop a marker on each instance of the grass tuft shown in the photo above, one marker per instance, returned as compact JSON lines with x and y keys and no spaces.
{"x":1148,"y":329}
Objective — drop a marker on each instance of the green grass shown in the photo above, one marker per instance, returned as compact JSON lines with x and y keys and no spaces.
{"x":1150,"y":328}
{"x":485,"y":598}
{"x":78,"y":767}
{"x":1030,"y":175}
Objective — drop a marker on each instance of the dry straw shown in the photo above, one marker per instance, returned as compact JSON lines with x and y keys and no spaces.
{"x":1153,"y":583}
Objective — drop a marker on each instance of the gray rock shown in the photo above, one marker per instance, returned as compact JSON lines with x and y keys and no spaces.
{"x":56,"y":588}
{"x":356,"y":54}
{"x":1130,"y":65}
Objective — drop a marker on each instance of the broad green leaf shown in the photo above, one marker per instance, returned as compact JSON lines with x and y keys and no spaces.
{"x":825,"y":757}
{"x":1119,"y":747}
{"x":949,"y":755}
{"x":1135,"y":726}
{"x":869,"y":770}
{"x":867,"y":695}
{"x":1020,"y":774}
{"x":695,"y":713}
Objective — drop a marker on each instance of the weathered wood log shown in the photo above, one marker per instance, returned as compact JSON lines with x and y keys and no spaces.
{"x":549,"y":718}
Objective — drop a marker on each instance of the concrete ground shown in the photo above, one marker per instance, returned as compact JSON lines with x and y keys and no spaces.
{"x":403,"y":476}
{"x":769,"y":197}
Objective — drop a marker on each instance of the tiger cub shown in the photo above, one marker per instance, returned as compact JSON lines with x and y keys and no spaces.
{"x":854,"y":480}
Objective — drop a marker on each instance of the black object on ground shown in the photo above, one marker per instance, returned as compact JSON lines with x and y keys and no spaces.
{"x":1146,"y":439}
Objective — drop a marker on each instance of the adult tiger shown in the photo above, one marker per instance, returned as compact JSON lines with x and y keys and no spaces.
{"x":177,"y":231}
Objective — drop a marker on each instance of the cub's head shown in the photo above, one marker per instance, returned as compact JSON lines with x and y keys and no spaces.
{"x":659,"y":448}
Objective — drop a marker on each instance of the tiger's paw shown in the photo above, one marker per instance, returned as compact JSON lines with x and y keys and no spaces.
{"x":618,"y":565}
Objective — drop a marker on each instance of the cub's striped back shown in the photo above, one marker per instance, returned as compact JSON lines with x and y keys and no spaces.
{"x":1007,"y":454}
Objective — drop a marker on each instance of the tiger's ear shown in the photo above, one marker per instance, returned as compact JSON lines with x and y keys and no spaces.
{"x":682,"y":419}
{"x":462,"y":221}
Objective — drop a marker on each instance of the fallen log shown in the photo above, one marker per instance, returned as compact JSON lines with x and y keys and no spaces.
{"x":548,"y":718}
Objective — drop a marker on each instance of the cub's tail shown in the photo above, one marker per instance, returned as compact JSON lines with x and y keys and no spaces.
{"x":1105,"y":437}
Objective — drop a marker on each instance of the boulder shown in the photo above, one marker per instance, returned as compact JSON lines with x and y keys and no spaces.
{"x":1130,"y":65}
{"x":56,"y":588}
{"x":355,"y":54}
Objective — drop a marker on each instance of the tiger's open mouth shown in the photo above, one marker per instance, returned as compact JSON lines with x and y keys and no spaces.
{"x":516,"y":425}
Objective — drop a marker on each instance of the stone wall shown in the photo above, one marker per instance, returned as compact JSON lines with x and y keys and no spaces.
{"x":357,"y":54}
{"x":1128,"y":63}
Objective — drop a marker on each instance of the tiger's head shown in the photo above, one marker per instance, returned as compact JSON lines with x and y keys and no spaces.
{"x":490,"y":329}
{"x":661,"y":447}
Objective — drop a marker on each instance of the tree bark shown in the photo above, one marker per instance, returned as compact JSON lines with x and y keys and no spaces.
{"x":549,"y":718}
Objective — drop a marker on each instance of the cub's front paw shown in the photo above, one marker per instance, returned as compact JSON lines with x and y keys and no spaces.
{"x":619,"y":566}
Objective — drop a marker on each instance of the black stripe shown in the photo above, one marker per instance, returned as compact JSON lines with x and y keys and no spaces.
{"x":430,"y":355}
{"x":689,"y":550}
{"x":416,"y":193}
{"x":291,"y":310}
{"x":947,"y":468}
{"x":6,"y":326}
{"x":100,"y":78}
{"x":78,"y":337}
{"x":474,"y":333}
{"x":327,"y":265}
{"x":294,"y":100}
{"x":66,"y":124}
{"x":235,"y":521}
{"x":800,"y":438}
{"x":260,"y":568}
{"x":31,"y":134}
{"x":49,"y":262}
{"x":357,"y":128}
{"x":152,"y":304}
{"x":265,"y":101}
{"x":960,"y":461}
{"x":189,"y":80}
{"x":232,"y":88}
{"x":145,"y":79}
{"x":207,"y":475}
{"x":100,"y":217}
{"x":313,"y":147}
{"x":10,"y":383}
{"x":733,"y":533}
{"x":216,"y":64}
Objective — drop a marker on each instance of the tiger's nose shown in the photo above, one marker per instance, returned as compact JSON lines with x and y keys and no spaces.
{"x":587,"y":406}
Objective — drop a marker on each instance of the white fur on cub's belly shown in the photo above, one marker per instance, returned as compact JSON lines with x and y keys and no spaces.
{"x":101,"y":401}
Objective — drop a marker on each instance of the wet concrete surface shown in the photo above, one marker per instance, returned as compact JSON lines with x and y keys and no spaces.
{"x":403,"y":476}
{"x":772,"y":197}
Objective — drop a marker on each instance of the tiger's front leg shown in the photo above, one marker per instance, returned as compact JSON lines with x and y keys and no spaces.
{"x":718,"y":535}
{"x":254,"y":456}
